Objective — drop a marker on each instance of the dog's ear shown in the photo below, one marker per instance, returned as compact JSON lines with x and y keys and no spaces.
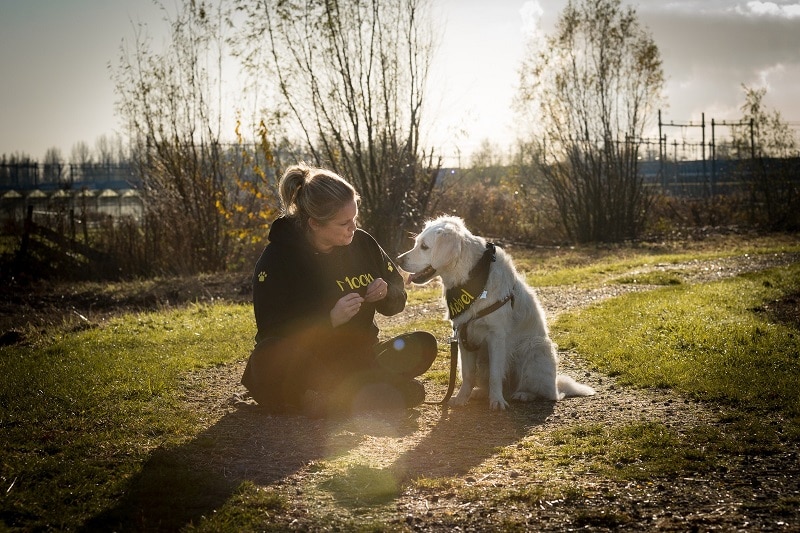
{"x":446,"y":246}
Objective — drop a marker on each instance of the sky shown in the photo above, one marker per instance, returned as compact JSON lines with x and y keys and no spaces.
{"x":56,"y":88}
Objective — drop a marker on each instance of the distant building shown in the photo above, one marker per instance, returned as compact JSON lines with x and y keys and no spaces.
{"x":111,"y":190}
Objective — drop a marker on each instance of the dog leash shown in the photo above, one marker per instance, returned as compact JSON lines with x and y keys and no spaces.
{"x":453,"y":369}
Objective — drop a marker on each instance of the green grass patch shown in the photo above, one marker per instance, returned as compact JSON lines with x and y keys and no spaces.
{"x":532,"y":494}
{"x":595,"y":273}
{"x":362,"y":485}
{"x":422,"y":294}
{"x":633,"y":451}
{"x":81,"y":411}
{"x":592,"y":265}
{"x":249,"y":509}
{"x":650,"y":278}
{"x":708,"y":341}
{"x":638,"y":451}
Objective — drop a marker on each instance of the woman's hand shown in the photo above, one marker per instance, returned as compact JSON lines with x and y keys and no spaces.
{"x":346,"y":308}
{"x":376,"y":290}
{"x":348,"y":305}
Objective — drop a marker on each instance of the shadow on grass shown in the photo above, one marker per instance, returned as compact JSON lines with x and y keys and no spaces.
{"x":465,"y":437}
{"x":179,"y":485}
{"x":456,"y":441}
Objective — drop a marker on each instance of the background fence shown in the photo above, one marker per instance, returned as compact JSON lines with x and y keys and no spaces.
{"x":687,"y":159}
{"x":701,"y":159}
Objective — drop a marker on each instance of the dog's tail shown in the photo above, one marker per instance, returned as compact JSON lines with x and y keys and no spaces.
{"x":569,"y":387}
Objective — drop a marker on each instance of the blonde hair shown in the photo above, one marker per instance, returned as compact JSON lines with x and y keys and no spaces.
{"x":312,"y":192}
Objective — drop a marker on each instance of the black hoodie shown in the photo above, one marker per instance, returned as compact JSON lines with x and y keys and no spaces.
{"x":295,"y":288}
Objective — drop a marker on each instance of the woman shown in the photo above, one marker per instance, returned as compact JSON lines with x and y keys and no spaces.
{"x":316,"y":288}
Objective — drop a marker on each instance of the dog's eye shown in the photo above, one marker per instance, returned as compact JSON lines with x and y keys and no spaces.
{"x":423,"y":246}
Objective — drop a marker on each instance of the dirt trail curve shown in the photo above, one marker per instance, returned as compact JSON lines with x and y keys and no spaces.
{"x":297,"y":456}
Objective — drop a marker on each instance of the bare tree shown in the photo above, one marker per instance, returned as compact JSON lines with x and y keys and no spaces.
{"x":19,"y":170}
{"x":593,"y":85}
{"x":55,"y":170}
{"x":352,"y":75}
{"x":109,"y":150}
{"x":80,"y":154}
{"x":80,"y":161}
{"x":172,"y":104}
{"x":774,"y":189}
{"x":770,"y":136}
{"x":487,"y":155}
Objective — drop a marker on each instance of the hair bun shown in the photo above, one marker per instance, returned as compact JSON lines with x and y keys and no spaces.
{"x":296,"y":192}
{"x":312,"y":192}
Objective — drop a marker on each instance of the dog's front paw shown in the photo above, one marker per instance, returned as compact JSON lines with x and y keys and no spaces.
{"x":463,"y":395}
{"x":458,"y":401}
{"x":479,"y":393}
{"x":498,"y":404}
{"x":522,"y":397}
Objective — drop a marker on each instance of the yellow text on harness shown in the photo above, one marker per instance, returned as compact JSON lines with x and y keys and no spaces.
{"x":459,"y":303}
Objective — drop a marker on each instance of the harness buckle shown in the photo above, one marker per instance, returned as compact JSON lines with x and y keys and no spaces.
{"x":454,"y":337}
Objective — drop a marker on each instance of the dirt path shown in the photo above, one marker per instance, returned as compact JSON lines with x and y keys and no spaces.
{"x":448,"y":466}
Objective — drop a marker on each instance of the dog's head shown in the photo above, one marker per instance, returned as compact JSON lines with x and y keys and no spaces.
{"x":435,"y":248}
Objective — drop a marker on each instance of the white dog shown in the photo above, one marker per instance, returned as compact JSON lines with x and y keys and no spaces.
{"x":502,"y":332}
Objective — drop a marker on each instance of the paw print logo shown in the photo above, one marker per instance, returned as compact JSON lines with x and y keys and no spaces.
{"x":262,"y":276}
{"x":389,"y":266}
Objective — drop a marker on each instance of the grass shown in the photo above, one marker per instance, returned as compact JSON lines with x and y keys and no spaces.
{"x":81,"y":411}
{"x":650,"y":278}
{"x":85,"y":411}
{"x":592,"y":266}
{"x":712,"y":342}
{"x":637,"y":451}
{"x":422,"y":294}
{"x":707,"y":341}
{"x":360,"y":484}
{"x":246,"y":510}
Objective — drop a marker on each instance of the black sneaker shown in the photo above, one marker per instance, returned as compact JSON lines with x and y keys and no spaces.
{"x":389,"y":396}
{"x":413,"y":392}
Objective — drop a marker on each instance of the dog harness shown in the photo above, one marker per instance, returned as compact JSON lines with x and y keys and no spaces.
{"x":462,"y":330}
{"x":461,"y":298}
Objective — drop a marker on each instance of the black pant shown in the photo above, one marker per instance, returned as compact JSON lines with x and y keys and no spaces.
{"x":281,"y":370}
